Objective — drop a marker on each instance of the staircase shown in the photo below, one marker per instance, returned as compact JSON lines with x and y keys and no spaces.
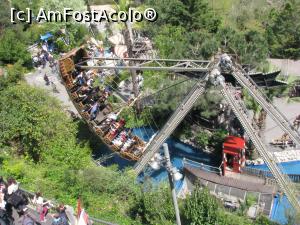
{"x":179,"y":114}
{"x":266,"y":104}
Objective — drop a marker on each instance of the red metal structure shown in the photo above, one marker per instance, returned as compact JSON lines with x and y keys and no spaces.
{"x":233,"y":154}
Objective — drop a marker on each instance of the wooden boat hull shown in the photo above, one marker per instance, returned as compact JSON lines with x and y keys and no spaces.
{"x":66,"y":66}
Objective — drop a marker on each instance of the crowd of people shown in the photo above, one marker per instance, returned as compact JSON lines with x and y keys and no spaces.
{"x":119,"y":137}
{"x":94,"y":99}
{"x":43,"y":56}
{"x":14,"y":199}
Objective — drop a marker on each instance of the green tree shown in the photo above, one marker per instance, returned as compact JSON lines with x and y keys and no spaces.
{"x":201,"y":16}
{"x":12,"y":49}
{"x":283,"y":28}
{"x":217,"y":139}
{"x":202,"y":138}
{"x":31,"y":121}
{"x":13,"y":74}
{"x":167,"y":38}
{"x":23,"y":4}
{"x":155,"y":206}
{"x":59,"y":5}
{"x":4,"y":15}
{"x":201,"y":208}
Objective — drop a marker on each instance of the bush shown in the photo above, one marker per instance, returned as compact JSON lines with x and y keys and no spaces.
{"x":14,"y":74}
{"x":12,"y":49}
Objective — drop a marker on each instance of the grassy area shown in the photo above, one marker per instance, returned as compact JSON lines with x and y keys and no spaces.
{"x":101,"y":2}
{"x":252,"y":13}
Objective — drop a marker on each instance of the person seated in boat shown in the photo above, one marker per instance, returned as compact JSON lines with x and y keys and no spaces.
{"x":75,"y":73}
{"x":78,"y":82}
{"x":123,"y":136}
{"x":112,"y":133}
{"x":105,"y":126}
{"x":90,"y":74}
{"x":119,"y":124}
{"x":94,"y":111}
{"x":90,"y":82}
{"x":127,"y":144}
{"x":84,"y":90}
{"x":120,"y":139}
{"x":88,"y":101}
{"x":138,"y":150}
{"x":117,"y":142}
{"x":106,"y":122}
{"x":79,"y":79}
{"x":95,"y":90}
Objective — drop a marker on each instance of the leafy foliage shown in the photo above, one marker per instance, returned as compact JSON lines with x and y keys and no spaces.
{"x":283,"y":30}
{"x":12,"y":49}
{"x":202,"y":138}
{"x":13,"y":74}
{"x":201,"y":208}
{"x":31,"y":121}
{"x":156,"y":207}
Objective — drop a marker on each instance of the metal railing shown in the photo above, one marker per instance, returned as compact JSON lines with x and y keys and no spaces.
{"x":202,"y":166}
{"x":267,"y":174}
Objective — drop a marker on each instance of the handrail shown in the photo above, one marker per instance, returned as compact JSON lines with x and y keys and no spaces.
{"x":203,"y":166}
{"x":267,"y":174}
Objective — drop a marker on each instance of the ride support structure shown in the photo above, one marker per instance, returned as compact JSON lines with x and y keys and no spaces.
{"x":210,"y":70}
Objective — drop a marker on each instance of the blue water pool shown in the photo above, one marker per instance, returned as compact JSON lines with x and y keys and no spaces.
{"x":281,"y":209}
{"x":281,"y":205}
{"x":178,"y":151}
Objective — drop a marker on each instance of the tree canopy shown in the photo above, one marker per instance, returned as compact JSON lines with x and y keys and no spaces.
{"x":283,"y":28}
{"x":12,"y":49}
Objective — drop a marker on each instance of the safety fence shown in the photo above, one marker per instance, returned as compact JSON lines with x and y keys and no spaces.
{"x":267,"y":174}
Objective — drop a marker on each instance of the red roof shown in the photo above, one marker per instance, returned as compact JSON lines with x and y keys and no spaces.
{"x":232,"y":142}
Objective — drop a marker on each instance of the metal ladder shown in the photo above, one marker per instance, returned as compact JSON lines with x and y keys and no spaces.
{"x":282,"y":179}
{"x":179,"y":114}
{"x":275,"y":114}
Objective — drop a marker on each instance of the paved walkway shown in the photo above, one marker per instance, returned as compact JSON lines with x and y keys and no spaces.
{"x":287,"y":66}
{"x":36,"y":79}
{"x":290,"y":110}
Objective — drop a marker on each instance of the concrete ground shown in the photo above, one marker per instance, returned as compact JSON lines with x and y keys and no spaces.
{"x":36,"y":79}
{"x":287,"y":66}
{"x":290,"y":110}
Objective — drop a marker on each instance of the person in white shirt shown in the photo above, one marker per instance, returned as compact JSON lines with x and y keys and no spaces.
{"x":12,"y":186}
{"x":41,"y":205}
